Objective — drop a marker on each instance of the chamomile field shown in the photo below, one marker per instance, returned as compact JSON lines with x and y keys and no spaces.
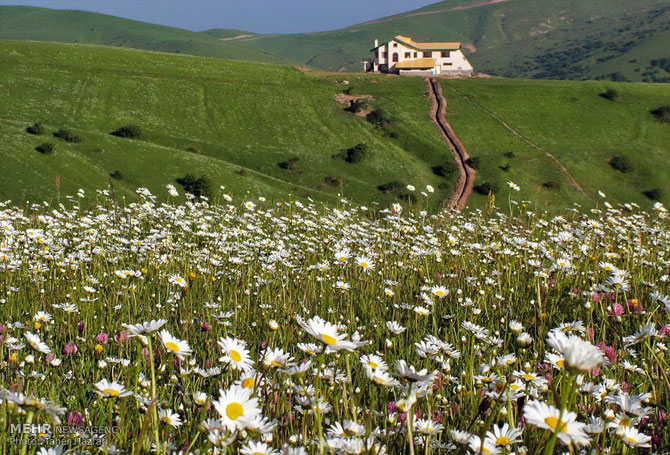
{"x":242,"y":325}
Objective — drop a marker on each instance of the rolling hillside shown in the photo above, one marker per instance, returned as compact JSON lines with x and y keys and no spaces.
{"x":234,"y":122}
{"x":71,"y":26}
{"x":554,"y":39}
{"x":272,"y":130}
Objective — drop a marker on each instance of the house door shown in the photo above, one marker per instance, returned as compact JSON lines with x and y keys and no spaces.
{"x":395,"y":57}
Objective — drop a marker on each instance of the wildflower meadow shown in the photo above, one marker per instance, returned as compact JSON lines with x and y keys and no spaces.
{"x":255,"y":327}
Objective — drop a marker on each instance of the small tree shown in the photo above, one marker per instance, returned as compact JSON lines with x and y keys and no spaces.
{"x":474,"y":162}
{"x":67,"y":136}
{"x":445,"y":169}
{"x":45,"y":149}
{"x":654,"y":194}
{"x":128,"y":131}
{"x":36,"y":129}
{"x":198,"y":187}
{"x":486,"y":188}
{"x":662,"y":114}
{"x":356,"y":153}
{"x":611,"y":95}
{"x":621,"y":163}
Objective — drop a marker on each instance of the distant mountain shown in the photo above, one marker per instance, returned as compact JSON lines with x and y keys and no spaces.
{"x":71,"y":26}
{"x":557,"y":39}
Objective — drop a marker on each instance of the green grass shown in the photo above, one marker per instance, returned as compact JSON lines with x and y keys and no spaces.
{"x":237,"y":115}
{"x":572,"y":122}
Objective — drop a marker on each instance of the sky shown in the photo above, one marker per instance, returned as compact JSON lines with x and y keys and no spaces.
{"x":259,"y":16}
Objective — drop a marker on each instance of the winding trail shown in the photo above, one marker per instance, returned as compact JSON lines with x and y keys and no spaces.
{"x":466,"y":180}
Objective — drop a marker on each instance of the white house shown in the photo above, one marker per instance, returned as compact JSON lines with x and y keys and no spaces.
{"x":401,"y":55}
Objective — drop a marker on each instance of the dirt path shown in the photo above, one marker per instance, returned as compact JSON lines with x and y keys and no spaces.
{"x":436,"y":11}
{"x":466,"y":179}
{"x":527,"y":141}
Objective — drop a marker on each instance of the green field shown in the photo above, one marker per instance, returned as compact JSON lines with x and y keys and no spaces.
{"x":550,"y":39}
{"x":240,"y":118}
{"x":235,"y":122}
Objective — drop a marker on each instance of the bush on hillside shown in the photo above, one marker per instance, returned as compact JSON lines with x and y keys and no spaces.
{"x":621,"y":163}
{"x":67,"y":136}
{"x":654,"y":194}
{"x":45,"y":149}
{"x":36,"y":129}
{"x":197,"y":186}
{"x":116,"y":175}
{"x":128,"y":131}
{"x":552,"y":185}
{"x":509,"y":155}
{"x":486,"y":188}
{"x":192,"y":149}
{"x":356,"y":153}
{"x":289,"y":163}
{"x":394,"y":187}
{"x":445,"y":169}
{"x":356,"y":106}
{"x":611,"y":95}
{"x":379,"y":117}
{"x":662,"y":114}
{"x":474,"y":162}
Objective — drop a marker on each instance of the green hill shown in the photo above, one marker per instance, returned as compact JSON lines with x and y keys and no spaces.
{"x":557,"y":39}
{"x":232,"y":121}
{"x":71,"y":26}
{"x":272,"y":130}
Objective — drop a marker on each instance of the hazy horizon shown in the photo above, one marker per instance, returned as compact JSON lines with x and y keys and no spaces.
{"x":259,"y":16}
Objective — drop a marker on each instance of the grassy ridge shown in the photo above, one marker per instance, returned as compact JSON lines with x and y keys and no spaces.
{"x":572,"y":122}
{"x":239,"y":117}
{"x":69,"y":26}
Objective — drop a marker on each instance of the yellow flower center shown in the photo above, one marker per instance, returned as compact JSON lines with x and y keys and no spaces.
{"x":235,"y":356}
{"x":364,"y":265}
{"x":248,"y":383}
{"x":439,"y":293}
{"x":234,"y":411}
{"x":631,"y":440}
{"x":276,"y":364}
{"x":560,"y":363}
{"x":110,"y":392}
{"x":555,"y":424}
{"x":528,"y":377}
{"x":372,"y":364}
{"x":174,"y":347}
{"x":328,"y":339}
{"x":502,"y":441}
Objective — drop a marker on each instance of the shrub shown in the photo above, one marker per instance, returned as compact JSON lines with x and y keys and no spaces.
{"x":474,"y":162}
{"x":610,"y":94}
{"x":192,"y":149}
{"x":242,"y":172}
{"x":510,"y":155}
{"x":392,"y":187}
{"x":654,"y":194}
{"x":552,"y":185}
{"x":662,"y":114}
{"x":506,"y":167}
{"x":116,"y":175}
{"x":36,"y":128}
{"x":198,"y":187}
{"x":332,"y":181}
{"x":67,"y":136}
{"x":45,"y":149}
{"x":445,"y":169}
{"x":621,"y":163}
{"x":486,"y":188}
{"x":379,"y":117}
{"x":356,"y":106}
{"x":289,"y":163}
{"x":356,"y":153}
{"x":128,"y":131}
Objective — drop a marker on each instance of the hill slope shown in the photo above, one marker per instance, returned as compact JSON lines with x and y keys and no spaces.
{"x":272,"y":130}
{"x":71,"y":26}
{"x":232,"y":121}
{"x":559,"y":39}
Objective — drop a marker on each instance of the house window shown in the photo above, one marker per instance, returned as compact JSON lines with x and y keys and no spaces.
{"x":395,"y":44}
{"x":408,"y":55}
{"x":385,"y":55}
{"x":376,"y":54}
{"x":395,"y":56}
{"x":416,"y":55}
{"x":445,"y":53}
{"x":447,"y":64}
{"x":427,"y":54}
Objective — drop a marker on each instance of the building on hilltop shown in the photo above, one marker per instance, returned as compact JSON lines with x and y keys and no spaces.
{"x":401,"y":55}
